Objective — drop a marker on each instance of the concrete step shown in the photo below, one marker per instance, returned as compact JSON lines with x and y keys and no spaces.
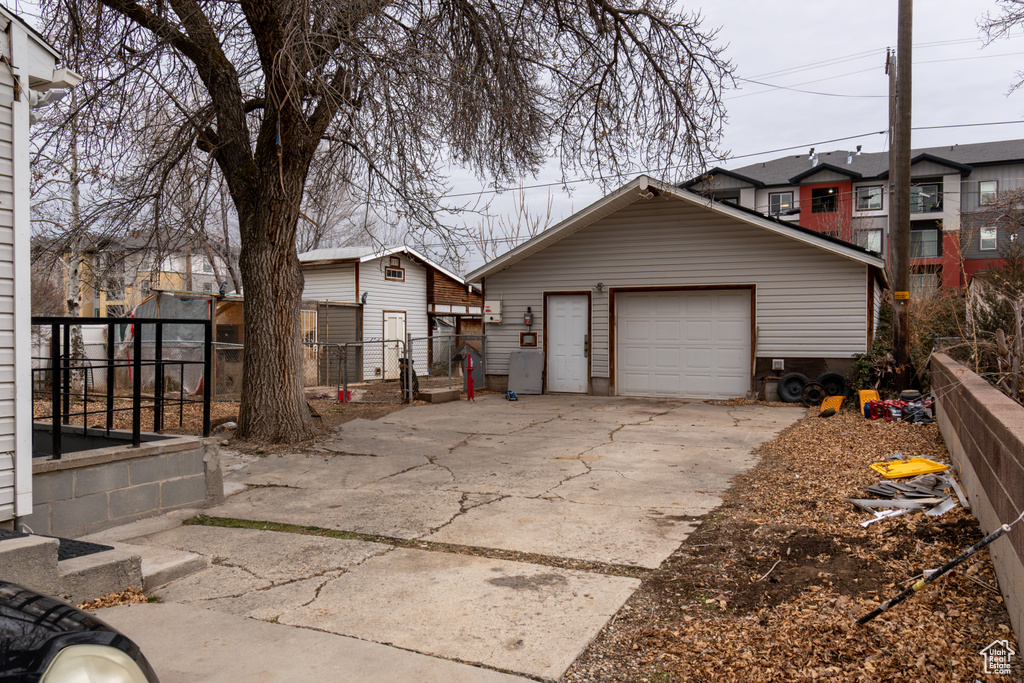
{"x":160,"y":566}
{"x":439,"y":395}
{"x":32,"y":561}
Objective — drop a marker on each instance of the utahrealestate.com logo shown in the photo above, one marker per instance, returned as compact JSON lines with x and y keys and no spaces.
{"x":997,"y":657}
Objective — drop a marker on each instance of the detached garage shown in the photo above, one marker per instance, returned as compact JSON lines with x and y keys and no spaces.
{"x":657,"y":291}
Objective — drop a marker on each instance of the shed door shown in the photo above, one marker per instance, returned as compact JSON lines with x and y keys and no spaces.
{"x":394,"y":342}
{"x":567,"y":344}
{"x":693,"y":344}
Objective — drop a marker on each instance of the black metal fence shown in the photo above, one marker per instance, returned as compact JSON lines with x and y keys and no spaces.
{"x":134,"y":346}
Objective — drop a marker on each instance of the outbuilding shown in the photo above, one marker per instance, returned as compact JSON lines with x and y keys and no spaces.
{"x":658,"y":291}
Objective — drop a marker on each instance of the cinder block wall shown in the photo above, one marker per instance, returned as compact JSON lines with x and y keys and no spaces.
{"x":90,"y":491}
{"x":984,"y":431}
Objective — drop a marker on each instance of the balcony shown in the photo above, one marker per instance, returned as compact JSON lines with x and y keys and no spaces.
{"x":926,"y":198}
{"x":925,"y":244}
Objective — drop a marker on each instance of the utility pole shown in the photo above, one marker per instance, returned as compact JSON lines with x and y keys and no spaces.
{"x":899,"y":210}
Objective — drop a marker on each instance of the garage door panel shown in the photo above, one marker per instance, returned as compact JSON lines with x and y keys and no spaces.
{"x":683,"y":343}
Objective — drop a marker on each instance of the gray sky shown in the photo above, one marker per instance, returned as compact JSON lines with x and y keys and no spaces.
{"x":840,"y":46}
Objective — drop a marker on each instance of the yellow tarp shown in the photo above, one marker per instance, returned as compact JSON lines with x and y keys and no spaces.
{"x":897,"y":469}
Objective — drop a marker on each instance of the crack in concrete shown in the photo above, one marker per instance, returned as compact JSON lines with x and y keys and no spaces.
{"x":464,"y":507}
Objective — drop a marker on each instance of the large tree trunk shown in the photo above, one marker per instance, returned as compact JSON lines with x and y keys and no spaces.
{"x":274,"y":408}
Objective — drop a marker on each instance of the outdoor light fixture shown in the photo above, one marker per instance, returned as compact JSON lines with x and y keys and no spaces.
{"x":599,"y":287}
{"x":362,"y":299}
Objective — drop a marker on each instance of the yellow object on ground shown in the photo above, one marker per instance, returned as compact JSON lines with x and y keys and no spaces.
{"x":897,"y":469}
{"x":833,"y":403}
{"x":866,"y":395}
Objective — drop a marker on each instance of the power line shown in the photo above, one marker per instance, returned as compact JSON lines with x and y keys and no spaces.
{"x":624,"y":174}
{"x":807,"y":92}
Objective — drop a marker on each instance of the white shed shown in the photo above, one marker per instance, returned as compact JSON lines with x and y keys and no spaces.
{"x":29,"y":69}
{"x":391,"y":285}
{"x":658,"y":291}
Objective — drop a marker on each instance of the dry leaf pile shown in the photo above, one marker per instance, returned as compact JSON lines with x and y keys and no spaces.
{"x":769,"y":586}
{"x":129,"y":596}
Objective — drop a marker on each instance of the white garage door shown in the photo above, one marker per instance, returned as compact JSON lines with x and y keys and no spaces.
{"x":692,"y":344}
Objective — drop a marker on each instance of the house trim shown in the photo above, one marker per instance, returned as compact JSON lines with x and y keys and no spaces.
{"x":590,"y":332}
{"x":613,"y":327}
{"x":871,"y":309}
{"x":641,"y":187}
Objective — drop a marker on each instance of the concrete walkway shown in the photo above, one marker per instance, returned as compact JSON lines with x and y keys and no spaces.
{"x":617,"y":483}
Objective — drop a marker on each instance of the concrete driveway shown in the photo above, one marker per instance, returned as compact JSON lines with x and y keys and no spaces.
{"x":614,"y":483}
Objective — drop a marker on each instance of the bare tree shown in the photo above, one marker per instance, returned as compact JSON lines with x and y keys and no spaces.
{"x":496,"y":235}
{"x":387,"y":94}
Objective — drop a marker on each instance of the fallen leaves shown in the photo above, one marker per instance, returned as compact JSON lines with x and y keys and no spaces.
{"x":821,"y":571}
{"x":129,"y":596}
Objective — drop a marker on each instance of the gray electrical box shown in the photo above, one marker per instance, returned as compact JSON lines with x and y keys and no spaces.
{"x":526,"y":372}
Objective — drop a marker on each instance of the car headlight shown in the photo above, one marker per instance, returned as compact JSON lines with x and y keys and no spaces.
{"x":92,"y":664}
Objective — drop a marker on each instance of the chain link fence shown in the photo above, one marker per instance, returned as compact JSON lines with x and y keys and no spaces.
{"x":445,"y":357}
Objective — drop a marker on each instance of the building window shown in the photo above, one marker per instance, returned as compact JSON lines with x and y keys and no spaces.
{"x":923,"y":284}
{"x":871,"y":240}
{"x":779,"y":203}
{"x":924,"y":244}
{"x":987,"y":190}
{"x":392,"y":273}
{"x":869,"y":198}
{"x":206,"y":266}
{"x":308,"y":322}
{"x":989,"y":239}
{"x":926,"y":198}
{"x":823,"y":199}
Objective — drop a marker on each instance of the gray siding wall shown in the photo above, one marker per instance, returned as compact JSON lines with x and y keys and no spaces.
{"x":810,"y":303}
{"x":1009,"y":177}
{"x":7,"y":387}
{"x":336,"y":282}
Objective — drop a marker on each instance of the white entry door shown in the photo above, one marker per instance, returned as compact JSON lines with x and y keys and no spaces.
{"x":394,"y":332}
{"x":568,"y":346}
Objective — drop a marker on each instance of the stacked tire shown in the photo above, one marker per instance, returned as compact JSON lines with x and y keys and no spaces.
{"x":792,"y":387}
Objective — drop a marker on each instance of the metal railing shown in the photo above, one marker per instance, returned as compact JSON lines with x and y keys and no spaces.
{"x":63,"y":374}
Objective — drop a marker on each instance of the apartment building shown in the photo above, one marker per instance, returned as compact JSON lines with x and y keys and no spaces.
{"x":847,"y":194}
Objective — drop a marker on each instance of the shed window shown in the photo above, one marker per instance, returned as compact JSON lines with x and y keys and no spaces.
{"x":392,"y":273}
{"x":989,"y":239}
{"x":823,"y":199}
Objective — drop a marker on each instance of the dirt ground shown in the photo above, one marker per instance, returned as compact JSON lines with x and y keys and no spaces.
{"x":769,"y":586}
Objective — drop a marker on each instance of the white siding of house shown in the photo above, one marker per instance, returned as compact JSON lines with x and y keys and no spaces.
{"x":809,"y":303}
{"x":336,"y":282}
{"x":7,"y":336}
{"x":391,"y":295}
{"x":877,"y":308}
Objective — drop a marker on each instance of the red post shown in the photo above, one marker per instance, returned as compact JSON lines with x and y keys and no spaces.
{"x":470,"y":395}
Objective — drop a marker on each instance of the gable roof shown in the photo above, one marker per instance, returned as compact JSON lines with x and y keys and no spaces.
{"x":964,"y":169}
{"x":323,"y":257}
{"x":644,"y":186}
{"x":825,"y":167}
{"x":717,"y":170}
{"x":780,"y":171}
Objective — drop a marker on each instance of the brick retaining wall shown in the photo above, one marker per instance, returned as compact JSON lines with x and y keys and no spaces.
{"x":92,"y":490}
{"x":984,"y":431}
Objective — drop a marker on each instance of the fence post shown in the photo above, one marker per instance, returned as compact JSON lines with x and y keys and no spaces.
{"x":207,"y":373}
{"x":66,"y":374}
{"x":55,"y":375}
{"x":137,"y":387}
{"x":158,"y":380}
{"x":111,"y":335}
{"x":449,"y":345}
